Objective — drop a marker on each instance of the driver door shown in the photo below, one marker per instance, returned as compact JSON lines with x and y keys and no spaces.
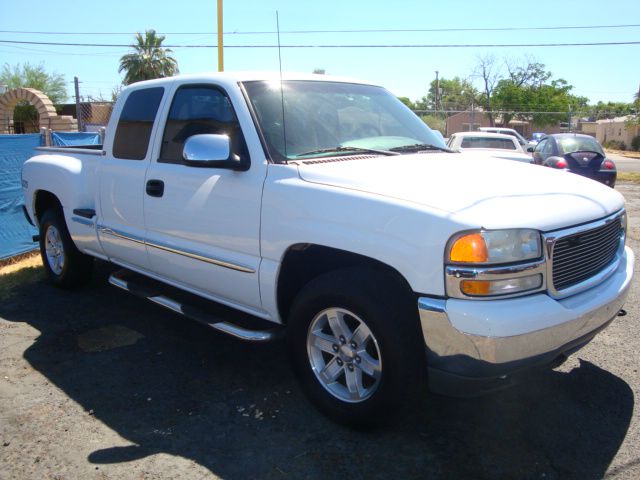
{"x":203,"y":222}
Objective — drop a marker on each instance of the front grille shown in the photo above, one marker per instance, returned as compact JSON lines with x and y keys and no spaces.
{"x":580,"y":256}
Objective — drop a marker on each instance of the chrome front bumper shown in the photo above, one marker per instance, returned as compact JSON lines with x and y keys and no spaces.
{"x":495,"y":339}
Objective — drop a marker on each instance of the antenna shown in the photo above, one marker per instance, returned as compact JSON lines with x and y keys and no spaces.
{"x":284,"y":126}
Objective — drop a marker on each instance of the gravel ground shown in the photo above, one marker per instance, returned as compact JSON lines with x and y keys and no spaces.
{"x":97,"y":384}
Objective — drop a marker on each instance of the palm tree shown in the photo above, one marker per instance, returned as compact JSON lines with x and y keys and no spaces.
{"x":149,"y":60}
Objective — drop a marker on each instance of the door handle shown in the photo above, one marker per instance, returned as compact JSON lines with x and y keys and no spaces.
{"x":155,"y":188}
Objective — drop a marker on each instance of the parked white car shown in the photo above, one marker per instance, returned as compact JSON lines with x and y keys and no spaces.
{"x":484,"y":144}
{"x":510,"y":131}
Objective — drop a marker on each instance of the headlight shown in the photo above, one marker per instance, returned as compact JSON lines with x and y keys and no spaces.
{"x":495,"y":247}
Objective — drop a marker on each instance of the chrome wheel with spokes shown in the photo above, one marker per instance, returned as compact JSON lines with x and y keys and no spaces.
{"x":354,"y":340}
{"x":54,"y":249}
{"x":64,"y":264}
{"x":344,"y":355}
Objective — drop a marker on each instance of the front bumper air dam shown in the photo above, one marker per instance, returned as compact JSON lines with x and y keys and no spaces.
{"x":474,"y":346}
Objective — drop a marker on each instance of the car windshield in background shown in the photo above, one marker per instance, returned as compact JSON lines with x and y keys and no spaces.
{"x":334,"y":118}
{"x":485,"y":142}
{"x":578,"y":144}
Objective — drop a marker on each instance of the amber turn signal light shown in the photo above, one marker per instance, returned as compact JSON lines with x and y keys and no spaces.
{"x":469,"y":249}
{"x":475,"y":287}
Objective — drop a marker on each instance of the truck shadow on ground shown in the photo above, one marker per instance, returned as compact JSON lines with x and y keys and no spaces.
{"x":176,"y":387}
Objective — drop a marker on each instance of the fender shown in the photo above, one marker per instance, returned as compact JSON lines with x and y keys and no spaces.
{"x":73,"y":181}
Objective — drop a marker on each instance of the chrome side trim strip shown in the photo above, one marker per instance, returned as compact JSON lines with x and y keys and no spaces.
{"x":82,"y":221}
{"x":116,"y":233}
{"x":184,"y":253}
{"x":202,"y":258}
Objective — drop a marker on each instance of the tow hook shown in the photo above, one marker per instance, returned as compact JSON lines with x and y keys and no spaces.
{"x":622,"y":312}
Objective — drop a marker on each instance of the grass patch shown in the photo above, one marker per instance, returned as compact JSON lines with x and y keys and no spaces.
{"x":26,"y":269}
{"x":629,"y":177}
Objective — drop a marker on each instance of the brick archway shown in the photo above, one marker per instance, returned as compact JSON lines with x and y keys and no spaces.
{"x":46,"y":111}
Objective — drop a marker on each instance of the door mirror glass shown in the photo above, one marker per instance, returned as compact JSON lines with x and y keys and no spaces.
{"x":208,"y":150}
{"x":530,"y":149}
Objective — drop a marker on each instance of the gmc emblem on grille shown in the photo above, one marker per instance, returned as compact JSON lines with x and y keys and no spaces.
{"x":574,"y":241}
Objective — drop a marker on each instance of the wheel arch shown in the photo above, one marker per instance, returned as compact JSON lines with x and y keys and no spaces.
{"x":43,"y":200}
{"x":303,"y":262}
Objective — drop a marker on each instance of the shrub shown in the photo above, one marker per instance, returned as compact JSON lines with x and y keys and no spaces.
{"x":615,"y":145}
{"x":635,"y":143}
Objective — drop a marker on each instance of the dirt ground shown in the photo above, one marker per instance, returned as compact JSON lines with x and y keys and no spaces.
{"x":97,"y":384}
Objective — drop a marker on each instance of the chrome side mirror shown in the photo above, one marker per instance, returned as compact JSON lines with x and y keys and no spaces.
{"x":210,"y":151}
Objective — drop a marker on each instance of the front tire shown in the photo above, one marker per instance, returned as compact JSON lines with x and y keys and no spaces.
{"x":356,"y":346}
{"x":65,"y":265}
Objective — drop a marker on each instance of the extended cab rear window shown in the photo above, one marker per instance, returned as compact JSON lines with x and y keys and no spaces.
{"x":135,"y":123}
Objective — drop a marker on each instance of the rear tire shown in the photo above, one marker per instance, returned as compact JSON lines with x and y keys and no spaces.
{"x":65,"y":265}
{"x":356,"y":346}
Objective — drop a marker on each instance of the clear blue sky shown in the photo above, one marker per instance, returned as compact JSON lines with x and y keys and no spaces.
{"x":597,"y":72}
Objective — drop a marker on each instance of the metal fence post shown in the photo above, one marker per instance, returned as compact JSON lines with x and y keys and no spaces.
{"x":78,"y":109}
{"x":46,"y":136}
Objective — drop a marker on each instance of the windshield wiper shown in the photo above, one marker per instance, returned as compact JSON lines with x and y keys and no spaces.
{"x":343,"y":150}
{"x":420,"y":147}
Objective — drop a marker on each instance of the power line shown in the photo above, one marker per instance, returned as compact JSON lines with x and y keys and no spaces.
{"x":371,"y":30}
{"x":486,"y":45}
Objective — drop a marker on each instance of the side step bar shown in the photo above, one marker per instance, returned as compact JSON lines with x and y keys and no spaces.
{"x":140,"y":289}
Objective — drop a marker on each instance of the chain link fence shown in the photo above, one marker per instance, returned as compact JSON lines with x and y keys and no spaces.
{"x":94,"y":115}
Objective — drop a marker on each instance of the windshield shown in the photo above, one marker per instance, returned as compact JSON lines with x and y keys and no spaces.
{"x":577,"y":144}
{"x":326,"y":118}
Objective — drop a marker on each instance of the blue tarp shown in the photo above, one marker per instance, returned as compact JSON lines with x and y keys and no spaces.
{"x":68,"y":139}
{"x":15,"y":232}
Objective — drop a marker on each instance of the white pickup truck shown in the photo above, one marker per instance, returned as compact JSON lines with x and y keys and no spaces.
{"x":325,"y":209}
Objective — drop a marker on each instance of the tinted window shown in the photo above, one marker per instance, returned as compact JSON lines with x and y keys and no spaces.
{"x":135,"y":124}
{"x":577,"y":144}
{"x":197,"y":110}
{"x":486,"y":142}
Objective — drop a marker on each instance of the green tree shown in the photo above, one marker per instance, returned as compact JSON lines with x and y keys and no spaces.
{"x":455,"y":94}
{"x":32,"y":76}
{"x":407,"y":102}
{"x":529,"y":93}
{"x":602,"y":110}
{"x":435,"y":123}
{"x":149,"y":59}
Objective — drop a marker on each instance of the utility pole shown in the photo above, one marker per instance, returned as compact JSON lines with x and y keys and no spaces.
{"x":78,"y":107}
{"x":472,"y":127}
{"x":437,"y":91}
{"x":220,"y":40}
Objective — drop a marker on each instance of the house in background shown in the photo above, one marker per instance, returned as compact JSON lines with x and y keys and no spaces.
{"x":467,"y":121}
{"x":619,"y":129}
{"x":471,"y":121}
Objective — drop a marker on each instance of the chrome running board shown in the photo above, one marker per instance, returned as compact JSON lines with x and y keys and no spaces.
{"x":136,"y":284}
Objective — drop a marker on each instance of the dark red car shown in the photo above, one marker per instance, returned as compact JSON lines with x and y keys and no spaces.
{"x":576,"y":153}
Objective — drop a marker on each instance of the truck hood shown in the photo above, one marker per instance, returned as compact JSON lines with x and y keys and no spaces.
{"x":478,"y":192}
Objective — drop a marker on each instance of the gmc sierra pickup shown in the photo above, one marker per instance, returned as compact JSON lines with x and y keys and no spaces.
{"x":328,"y":210}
